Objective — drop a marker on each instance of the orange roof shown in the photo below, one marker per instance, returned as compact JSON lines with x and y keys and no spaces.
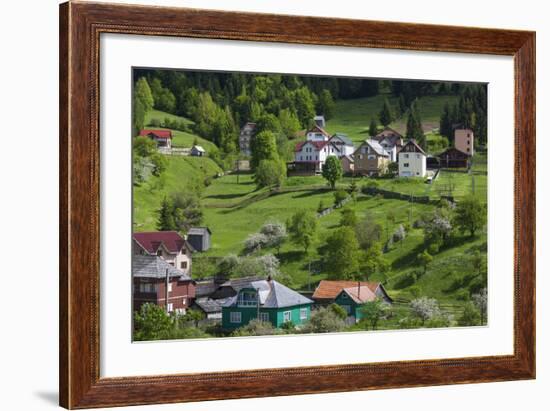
{"x":328,"y":289}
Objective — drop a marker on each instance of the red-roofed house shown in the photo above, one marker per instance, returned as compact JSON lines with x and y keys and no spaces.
{"x":310,"y":155}
{"x":350,"y":295}
{"x":168,"y":245}
{"x":327,"y":290}
{"x":163,"y":138}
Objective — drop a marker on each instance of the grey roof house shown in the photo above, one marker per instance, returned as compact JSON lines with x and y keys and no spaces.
{"x":199,"y":238}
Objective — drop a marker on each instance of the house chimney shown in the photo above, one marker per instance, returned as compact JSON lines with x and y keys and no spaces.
{"x":269,"y":278}
{"x":166,"y":292}
{"x":359,"y":289}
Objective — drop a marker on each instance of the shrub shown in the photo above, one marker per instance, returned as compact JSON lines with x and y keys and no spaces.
{"x":324,"y":320}
{"x":338,"y":310}
{"x":256,"y":327}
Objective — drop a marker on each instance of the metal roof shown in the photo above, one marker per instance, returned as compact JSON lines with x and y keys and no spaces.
{"x":272,"y":295}
{"x":150,"y":266}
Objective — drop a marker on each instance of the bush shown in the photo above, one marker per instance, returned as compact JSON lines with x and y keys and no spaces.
{"x":339,"y":196}
{"x":256,"y":327}
{"x":338,"y":310}
{"x":324,"y":320}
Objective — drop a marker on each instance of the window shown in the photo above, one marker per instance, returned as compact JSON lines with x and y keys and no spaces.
{"x":418,"y":156}
{"x":303,"y":313}
{"x":170,"y":307}
{"x":287,"y":316}
{"x":172,"y":263}
{"x":468,"y":142}
{"x":405,"y":164}
{"x":406,"y":156}
{"x":264,"y":317}
{"x":247,"y":299}
{"x":159,"y":252}
{"x":344,"y":296}
{"x":169,"y":287}
{"x":235,"y":317}
{"x":147,"y":287}
{"x":372,"y":157}
{"x":183,"y":265}
{"x":468,"y":149}
{"x":184,"y":301}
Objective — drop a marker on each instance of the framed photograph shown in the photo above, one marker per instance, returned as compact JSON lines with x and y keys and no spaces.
{"x":258,"y":205}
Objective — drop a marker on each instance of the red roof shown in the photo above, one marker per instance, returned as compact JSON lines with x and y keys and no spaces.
{"x":151,"y":241}
{"x":328,"y":289}
{"x":317,"y":144}
{"x":360,"y":294}
{"x":156,"y":133}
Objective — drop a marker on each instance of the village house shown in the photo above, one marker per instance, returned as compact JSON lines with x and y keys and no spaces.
{"x":212,"y":293}
{"x":245,"y":138}
{"x":343,"y":143}
{"x":464,"y":140}
{"x":391,"y":141}
{"x":453,"y":158}
{"x":329,"y":290}
{"x":266,"y":300}
{"x":310,"y":155}
{"x":319,"y":121}
{"x":371,"y":159}
{"x":197,"y":151}
{"x":199,"y":238}
{"x":348,"y":164}
{"x":168,"y":245}
{"x":412,"y":160}
{"x":158,"y":282}
{"x":163,"y":138}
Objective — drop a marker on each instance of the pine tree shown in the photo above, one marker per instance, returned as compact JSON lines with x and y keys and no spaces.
{"x":373,"y":127}
{"x":386,"y":114}
{"x":402,"y":105}
{"x":414,"y":126}
{"x":166,"y":221}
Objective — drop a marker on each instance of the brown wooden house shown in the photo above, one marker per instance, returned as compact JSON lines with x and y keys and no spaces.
{"x":453,"y":158}
{"x":156,"y":281}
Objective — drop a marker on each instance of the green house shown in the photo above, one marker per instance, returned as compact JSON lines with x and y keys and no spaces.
{"x":266,"y":300}
{"x":352,"y":299}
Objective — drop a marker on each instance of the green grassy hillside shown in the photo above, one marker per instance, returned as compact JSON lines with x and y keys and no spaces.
{"x":234,"y":208}
{"x":353,"y":117}
{"x":179,"y":138}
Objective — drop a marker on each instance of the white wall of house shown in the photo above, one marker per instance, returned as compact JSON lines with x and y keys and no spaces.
{"x":316,"y":136}
{"x":412,"y":165}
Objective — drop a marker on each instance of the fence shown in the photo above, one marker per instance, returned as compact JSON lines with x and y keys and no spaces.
{"x":329,"y":210}
{"x":396,"y":195}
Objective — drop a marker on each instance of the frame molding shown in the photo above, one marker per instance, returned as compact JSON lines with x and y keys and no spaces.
{"x":81,"y":24}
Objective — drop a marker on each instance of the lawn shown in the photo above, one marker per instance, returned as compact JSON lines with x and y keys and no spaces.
{"x":179,"y":138}
{"x":353,"y":117}
{"x":149,"y":195}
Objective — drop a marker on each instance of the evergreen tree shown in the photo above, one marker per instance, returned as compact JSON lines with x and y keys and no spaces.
{"x":332,"y":170}
{"x":373,"y":127}
{"x":142,"y":92}
{"x":386,"y":114}
{"x":305,"y":106}
{"x":402,"y":105}
{"x":445,"y":123}
{"x":414,"y":126}
{"x":325,"y":105}
{"x":165,"y":220}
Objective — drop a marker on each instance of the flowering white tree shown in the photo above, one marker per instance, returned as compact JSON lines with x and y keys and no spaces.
{"x":480,"y":301}
{"x":255,"y":242}
{"x":275,"y":233}
{"x":425,"y":308}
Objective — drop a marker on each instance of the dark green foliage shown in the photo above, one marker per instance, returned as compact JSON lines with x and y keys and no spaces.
{"x":368,"y":232}
{"x":152,"y":322}
{"x":166,"y":220}
{"x":144,"y":147}
{"x":325,"y":104}
{"x":470,"y":215}
{"x":263,"y":147}
{"x":470,"y":315}
{"x":332,"y":170}
{"x":414,"y":126}
{"x":386,"y":115}
{"x":373,"y":127}
{"x":424,"y":259}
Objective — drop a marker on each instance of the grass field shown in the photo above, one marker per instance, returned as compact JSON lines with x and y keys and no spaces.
{"x":179,"y":138}
{"x":353,"y":117}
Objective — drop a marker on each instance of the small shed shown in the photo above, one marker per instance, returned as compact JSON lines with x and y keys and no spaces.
{"x":199,"y":238}
{"x":198,"y":151}
{"x":453,"y":158}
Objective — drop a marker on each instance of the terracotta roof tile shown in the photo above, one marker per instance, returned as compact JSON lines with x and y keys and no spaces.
{"x":328,"y":289}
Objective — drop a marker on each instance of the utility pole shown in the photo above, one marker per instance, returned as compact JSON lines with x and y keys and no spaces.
{"x":166,"y":282}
